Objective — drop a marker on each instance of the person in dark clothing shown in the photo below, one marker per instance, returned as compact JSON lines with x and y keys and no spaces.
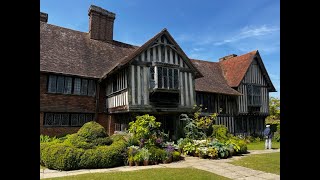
{"x":268,"y":135}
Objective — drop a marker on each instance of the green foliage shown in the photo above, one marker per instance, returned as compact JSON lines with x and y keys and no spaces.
{"x":118,"y":137}
{"x":220,"y":132}
{"x":45,"y":138}
{"x":189,"y":148}
{"x":144,"y":126}
{"x":132,"y":141}
{"x":191,"y":130}
{"x":232,"y":143}
{"x":145,"y":154}
{"x":138,"y":157}
{"x":203,"y":122}
{"x":103,"y":156}
{"x":223,"y":151}
{"x":176,"y":156}
{"x":157,"y":154}
{"x":212,"y":153}
{"x":183,"y":141}
{"x":92,"y":130}
{"x":274,"y":109}
{"x":88,"y":148}
{"x":243,"y":146}
{"x":60,"y":156}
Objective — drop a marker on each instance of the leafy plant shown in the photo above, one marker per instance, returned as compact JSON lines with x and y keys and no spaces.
{"x":203,"y":122}
{"x":45,"y":138}
{"x":144,"y":152}
{"x":144,"y":126}
{"x":191,"y":130}
{"x":212,"y":153}
{"x":189,"y":148}
{"x":220,"y":132}
{"x":176,"y":156}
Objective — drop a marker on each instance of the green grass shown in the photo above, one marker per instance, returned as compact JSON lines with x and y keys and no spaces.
{"x":159,"y":174}
{"x":260,"y":145}
{"x":269,"y":162}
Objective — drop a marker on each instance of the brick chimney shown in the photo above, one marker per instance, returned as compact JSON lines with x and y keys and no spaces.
{"x":43,"y":17}
{"x":227,"y":57}
{"x":101,"y":23}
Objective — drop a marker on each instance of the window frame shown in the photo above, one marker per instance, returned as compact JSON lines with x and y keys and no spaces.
{"x":71,"y":85}
{"x":53,"y":115}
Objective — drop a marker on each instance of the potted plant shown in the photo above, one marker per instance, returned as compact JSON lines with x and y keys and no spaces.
{"x":132,"y":151}
{"x":137,"y":159}
{"x":145,"y":155}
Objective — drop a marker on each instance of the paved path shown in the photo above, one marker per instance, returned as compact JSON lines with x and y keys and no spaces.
{"x":220,"y":167}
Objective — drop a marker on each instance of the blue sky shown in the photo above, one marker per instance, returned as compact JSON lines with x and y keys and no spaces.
{"x":205,"y":29}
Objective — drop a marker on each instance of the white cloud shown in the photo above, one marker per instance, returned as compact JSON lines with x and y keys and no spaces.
{"x":249,"y":32}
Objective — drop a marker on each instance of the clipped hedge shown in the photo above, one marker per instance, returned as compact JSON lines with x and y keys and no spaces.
{"x":61,"y":157}
{"x":90,"y":147}
{"x":92,"y":130}
{"x":104,"y":156}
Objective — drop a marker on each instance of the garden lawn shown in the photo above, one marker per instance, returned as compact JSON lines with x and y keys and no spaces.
{"x":269,"y":162}
{"x":159,"y":174}
{"x":260,"y":145}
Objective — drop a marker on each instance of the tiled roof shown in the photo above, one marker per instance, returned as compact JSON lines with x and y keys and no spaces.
{"x":213,"y":80}
{"x":235,"y":68}
{"x":142,"y":48}
{"x":72,"y":52}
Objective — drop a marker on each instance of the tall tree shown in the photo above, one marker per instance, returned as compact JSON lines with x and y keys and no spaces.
{"x":274,"y":109}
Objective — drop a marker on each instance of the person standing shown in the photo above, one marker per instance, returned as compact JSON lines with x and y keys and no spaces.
{"x":268,"y":135}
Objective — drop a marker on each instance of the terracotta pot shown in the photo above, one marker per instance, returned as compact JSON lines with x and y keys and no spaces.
{"x":145,"y":162}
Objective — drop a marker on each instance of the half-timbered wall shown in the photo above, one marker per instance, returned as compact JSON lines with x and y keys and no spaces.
{"x":216,"y":103}
{"x":117,"y":90}
{"x":161,"y":57}
{"x":253,"y":77}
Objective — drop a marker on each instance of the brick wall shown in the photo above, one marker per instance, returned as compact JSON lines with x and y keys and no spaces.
{"x":56,"y":131}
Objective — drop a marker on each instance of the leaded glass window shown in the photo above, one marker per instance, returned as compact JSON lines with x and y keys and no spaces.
{"x":82,"y":119}
{"x":77,"y":86}
{"x":74,"y":119}
{"x":64,"y":119}
{"x":84,"y":87}
{"x":60,"y":84}
{"x":67,"y":85}
{"x":176,"y":79}
{"x":48,"y":120}
{"x":165,"y":78}
{"x":160,"y":77}
{"x":57,"y":119}
{"x":170,"y":78}
{"x":52,"y":84}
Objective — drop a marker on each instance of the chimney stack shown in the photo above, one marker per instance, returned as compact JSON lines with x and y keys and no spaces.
{"x":101,"y":23}
{"x":227,"y":57}
{"x":43,"y":17}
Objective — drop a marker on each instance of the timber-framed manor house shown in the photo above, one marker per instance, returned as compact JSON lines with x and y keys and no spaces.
{"x":88,"y":76}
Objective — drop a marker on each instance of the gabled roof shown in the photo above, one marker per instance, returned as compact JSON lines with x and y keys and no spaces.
{"x":213,"y":80}
{"x":72,"y":52}
{"x":127,"y":59}
{"x":235,"y":68}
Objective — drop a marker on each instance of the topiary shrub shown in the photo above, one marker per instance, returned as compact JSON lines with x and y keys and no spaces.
{"x":61,"y":156}
{"x":103,"y":156}
{"x":92,"y":130}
